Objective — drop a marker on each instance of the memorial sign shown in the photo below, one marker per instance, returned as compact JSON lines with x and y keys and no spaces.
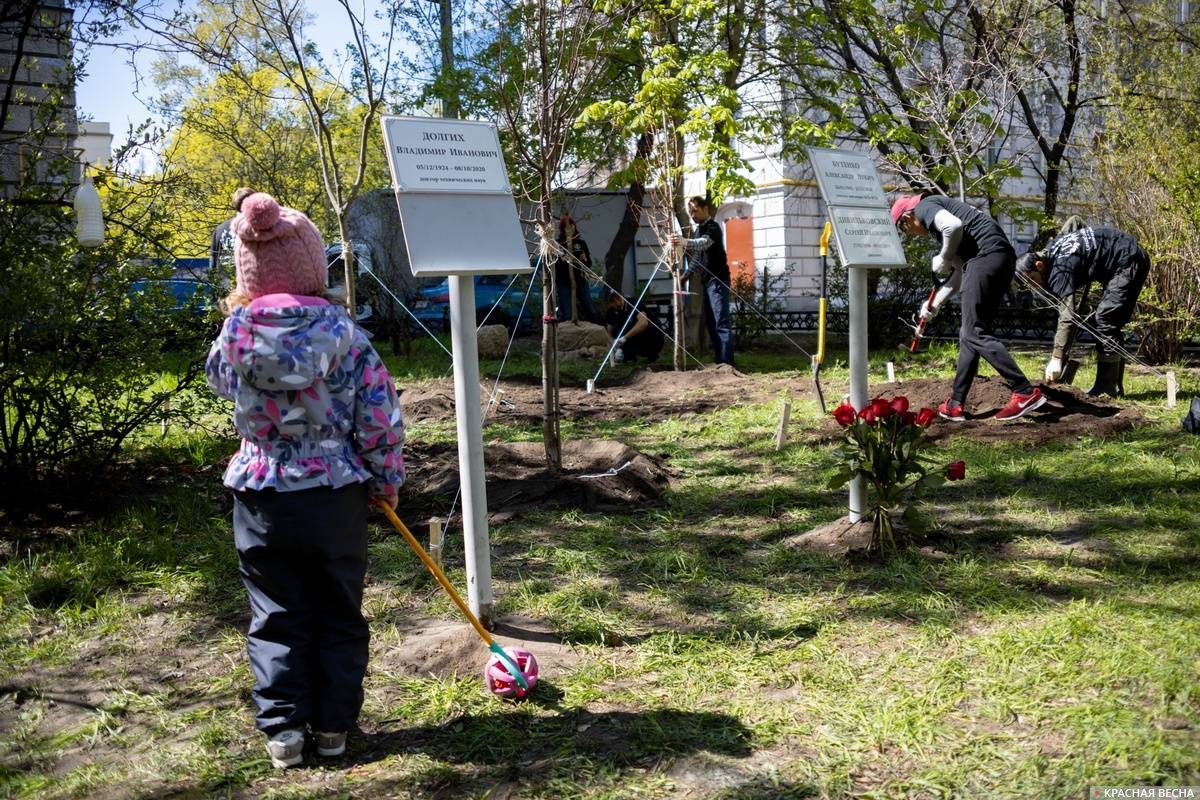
{"x":455,"y":200}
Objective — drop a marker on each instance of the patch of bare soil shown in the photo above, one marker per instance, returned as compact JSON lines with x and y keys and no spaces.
{"x":1069,"y":413}
{"x":838,"y":538}
{"x":452,"y":649}
{"x":653,"y":394}
{"x":604,"y":475}
{"x":167,"y":656}
{"x":596,"y":475}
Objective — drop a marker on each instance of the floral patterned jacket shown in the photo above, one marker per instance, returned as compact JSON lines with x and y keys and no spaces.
{"x":313,"y":401}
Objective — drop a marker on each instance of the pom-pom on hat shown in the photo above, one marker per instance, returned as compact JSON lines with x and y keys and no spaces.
{"x":277,"y":249}
{"x":905,"y":204}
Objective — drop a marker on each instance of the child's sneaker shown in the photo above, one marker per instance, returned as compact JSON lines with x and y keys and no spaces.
{"x":286,"y":748}
{"x":1021,"y":404}
{"x":330,"y":744}
{"x":952,"y":411}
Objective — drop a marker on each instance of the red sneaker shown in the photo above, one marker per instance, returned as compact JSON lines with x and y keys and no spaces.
{"x":952,"y":411}
{"x":1021,"y":404}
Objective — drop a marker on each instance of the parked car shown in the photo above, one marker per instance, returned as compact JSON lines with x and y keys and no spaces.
{"x":499,"y":298}
{"x":364,"y":285}
{"x":189,"y":294}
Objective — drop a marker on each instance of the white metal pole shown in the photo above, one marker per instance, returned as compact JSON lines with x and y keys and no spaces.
{"x":470,"y":448}
{"x":857,"y":289}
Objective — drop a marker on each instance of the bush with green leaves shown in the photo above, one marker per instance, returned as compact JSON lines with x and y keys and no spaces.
{"x":86,"y":360}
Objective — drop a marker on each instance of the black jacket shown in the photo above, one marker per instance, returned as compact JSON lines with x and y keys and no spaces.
{"x":710,"y":262}
{"x":1078,"y":258}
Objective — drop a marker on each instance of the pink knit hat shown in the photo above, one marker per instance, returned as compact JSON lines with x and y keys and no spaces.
{"x":277,"y":249}
{"x":905,"y":204}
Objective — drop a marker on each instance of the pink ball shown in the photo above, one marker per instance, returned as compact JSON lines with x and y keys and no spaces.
{"x":501,"y":682}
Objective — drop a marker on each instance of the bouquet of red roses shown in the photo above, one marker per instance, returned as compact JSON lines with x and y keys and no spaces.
{"x":884,"y":444}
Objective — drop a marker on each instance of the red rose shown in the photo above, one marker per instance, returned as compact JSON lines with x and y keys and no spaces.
{"x":900,"y":404}
{"x":881,"y":407}
{"x":844,"y":414}
{"x":868,"y":414}
{"x":925,"y":416}
{"x":956,"y":471}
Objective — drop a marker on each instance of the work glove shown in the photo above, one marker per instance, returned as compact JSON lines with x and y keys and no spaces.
{"x":943,"y":267}
{"x":1054,"y":369}
{"x":620,"y":341}
{"x":925,"y":312}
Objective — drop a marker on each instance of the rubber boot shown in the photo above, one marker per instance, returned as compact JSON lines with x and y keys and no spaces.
{"x":1110,"y":378}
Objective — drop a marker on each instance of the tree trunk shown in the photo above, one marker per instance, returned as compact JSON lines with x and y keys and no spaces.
{"x":614,"y":258}
{"x":348,"y":263}
{"x":677,"y":305}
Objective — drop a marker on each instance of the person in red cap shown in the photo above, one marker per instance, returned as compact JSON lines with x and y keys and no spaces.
{"x":988,"y":263}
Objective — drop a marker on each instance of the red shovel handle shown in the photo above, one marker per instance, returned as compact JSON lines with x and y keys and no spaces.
{"x":916,"y":341}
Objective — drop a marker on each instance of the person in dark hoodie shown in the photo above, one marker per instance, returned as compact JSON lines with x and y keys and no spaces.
{"x":571,"y":277}
{"x":1106,"y":256}
{"x":322,"y":436}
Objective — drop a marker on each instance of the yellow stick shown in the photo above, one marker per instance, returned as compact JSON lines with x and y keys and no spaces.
{"x":435,"y":570}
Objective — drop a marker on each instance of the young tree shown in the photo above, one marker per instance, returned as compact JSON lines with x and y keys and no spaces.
{"x":546,"y":67}
{"x":1147,"y":166}
{"x":241,"y":38}
{"x":688,"y":94}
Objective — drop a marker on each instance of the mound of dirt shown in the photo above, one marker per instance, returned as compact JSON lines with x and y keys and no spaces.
{"x":1068,"y":413}
{"x":451,"y":649}
{"x":597,"y":475}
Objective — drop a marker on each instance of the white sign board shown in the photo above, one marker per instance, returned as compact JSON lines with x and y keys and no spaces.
{"x":846,"y":178}
{"x":431,"y":154}
{"x":858,"y":208}
{"x":866,"y":237}
{"x":456,"y":205}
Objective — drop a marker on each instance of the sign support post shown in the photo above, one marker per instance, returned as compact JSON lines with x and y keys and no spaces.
{"x":469,"y":422}
{"x":460,"y":220}
{"x":866,"y":238}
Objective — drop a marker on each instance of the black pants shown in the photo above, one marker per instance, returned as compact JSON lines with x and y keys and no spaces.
{"x":1118,"y":299}
{"x":648,"y":345}
{"x":302,"y":556}
{"x":985,"y":280}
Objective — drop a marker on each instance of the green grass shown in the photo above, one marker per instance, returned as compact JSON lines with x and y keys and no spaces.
{"x":1048,"y":646}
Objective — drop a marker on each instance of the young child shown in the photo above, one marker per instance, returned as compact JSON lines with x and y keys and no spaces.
{"x":321,"y":435}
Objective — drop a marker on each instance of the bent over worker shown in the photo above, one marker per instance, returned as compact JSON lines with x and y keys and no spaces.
{"x":1111,"y":258}
{"x":988,"y":262}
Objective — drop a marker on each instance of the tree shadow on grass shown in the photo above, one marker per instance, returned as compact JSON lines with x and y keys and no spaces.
{"x":477,"y":752}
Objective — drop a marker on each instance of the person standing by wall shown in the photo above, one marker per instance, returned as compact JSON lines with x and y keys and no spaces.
{"x":706,"y":255}
{"x":322,"y":435}
{"x":1114,"y":260}
{"x":570,"y":273}
{"x":989,"y":263}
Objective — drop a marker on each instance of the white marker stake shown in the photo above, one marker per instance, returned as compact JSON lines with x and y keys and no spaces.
{"x":1171,"y":387}
{"x":891,"y":370}
{"x":435,"y":541}
{"x":781,"y":433}
{"x":590,"y":385}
